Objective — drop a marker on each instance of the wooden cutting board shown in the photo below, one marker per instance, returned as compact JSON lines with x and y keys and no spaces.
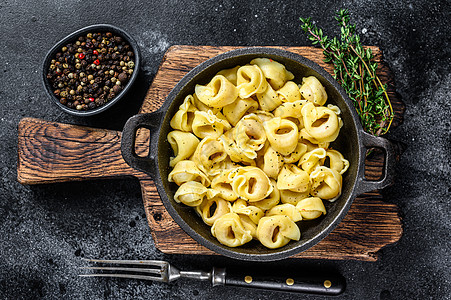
{"x":53,"y":152}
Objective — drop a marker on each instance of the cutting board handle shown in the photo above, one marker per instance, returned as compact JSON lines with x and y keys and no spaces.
{"x":55,"y":152}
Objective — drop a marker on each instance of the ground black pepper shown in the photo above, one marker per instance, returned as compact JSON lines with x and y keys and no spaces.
{"x":91,"y":71}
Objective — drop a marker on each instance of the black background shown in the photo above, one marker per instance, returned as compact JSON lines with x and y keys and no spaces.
{"x":46,"y":230}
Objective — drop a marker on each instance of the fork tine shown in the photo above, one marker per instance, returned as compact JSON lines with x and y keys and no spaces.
{"x":140,"y":270}
{"x":156,"y":263}
{"x":128,"y":276}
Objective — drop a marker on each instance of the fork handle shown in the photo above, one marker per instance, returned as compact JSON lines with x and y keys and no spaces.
{"x":327,"y":285}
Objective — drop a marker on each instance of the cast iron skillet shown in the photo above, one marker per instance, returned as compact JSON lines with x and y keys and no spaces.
{"x":352,"y":143}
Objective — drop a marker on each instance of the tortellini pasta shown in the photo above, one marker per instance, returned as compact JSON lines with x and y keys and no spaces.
{"x":313,"y":90}
{"x":236,"y":110}
{"x":187,"y":170}
{"x":250,"y":135}
{"x":229,"y":230}
{"x":276,"y":231}
{"x":311,"y":208}
{"x":282,"y":134}
{"x":206,"y":124}
{"x":191,"y":193}
{"x":252,"y":156}
{"x":223,"y":184}
{"x":217,"y":93}
{"x":183,"y":144}
{"x":312,"y":159}
{"x":271,"y":162}
{"x":276,"y":74}
{"x":183,"y":118}
{"x":209,"y":156}
{"x":321,"y":123}
{"x":287,"y":210}
{"x":326,"y":183}
{"x":212,"y":209}
{"x":250,"y":81}
{"x":251,"y":184}
{"x":289,"y":92}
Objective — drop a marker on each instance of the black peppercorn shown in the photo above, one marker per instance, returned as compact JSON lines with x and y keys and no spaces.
{"x":95,"y":67}
{"x":117,"y":88}
{"x":122,"y":77}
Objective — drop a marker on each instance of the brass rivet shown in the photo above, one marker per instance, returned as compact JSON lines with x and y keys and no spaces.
{"x":327,"y":284}
{"x":248,"y":279}
{"x":290,"y":281}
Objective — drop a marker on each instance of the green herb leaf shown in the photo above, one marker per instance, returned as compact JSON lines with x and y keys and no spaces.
{"x":355,"y":70}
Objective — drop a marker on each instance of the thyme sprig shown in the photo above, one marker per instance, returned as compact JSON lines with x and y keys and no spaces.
{"x":355,"y":70}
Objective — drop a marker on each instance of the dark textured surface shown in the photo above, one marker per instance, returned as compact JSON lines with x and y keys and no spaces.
{"x":46,"y":230}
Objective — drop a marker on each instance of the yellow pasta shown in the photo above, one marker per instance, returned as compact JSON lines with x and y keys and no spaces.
{"x":236,"y":110}
{"x":183,"y":118}
{"x":218,"y":93}
{"x":252,"y":153}
{"x":292,"y":112}
{"x":289,"y":92}
{"x":268,"y":99}
{"x":212,"y":209}
{"x":183,"y":144}
{"x":223,"y":184}
{"x":251,"y":184}
{"x":326,"y":183}
{"x":250,"y":135}
{"x":276,"y":231}
{"x":230,"y":74}
{"x":271,"y":162}
{"x":232,"y":150}
{"x":285,"y":209}
{"x":313,"y":90}
{"x":276,"y":73}
{"x":241,"y":207}
{"x":336,"y":161}
{"x":312,"y":159}
{"x":206,"y":124}
{"x":209,"y":155}
{"x":290,"y":197}
{"x":293,"y":178}
{"x":270,"y":201}
{"x":320,"y":122}
{"x":229,"y":230}
{"x":264,"y":115}
{"x":311,"y":208}
{"x":299,"y":151}
{"x":250,"y":81}
{"x":191,"y":193}
{"x":249,"y":225}
{"x":282,"y":134}
{"x":187,"y":170}
{"x":201,"y":106}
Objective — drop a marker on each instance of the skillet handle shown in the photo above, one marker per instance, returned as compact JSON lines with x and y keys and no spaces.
{"x":149,"y":121}
{"x":364,"y":185}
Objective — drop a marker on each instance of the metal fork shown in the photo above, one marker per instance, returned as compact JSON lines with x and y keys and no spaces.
{"x":162,"y":271}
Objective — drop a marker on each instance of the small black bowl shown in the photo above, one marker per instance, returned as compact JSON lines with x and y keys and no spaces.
{"x":72,"y":38}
